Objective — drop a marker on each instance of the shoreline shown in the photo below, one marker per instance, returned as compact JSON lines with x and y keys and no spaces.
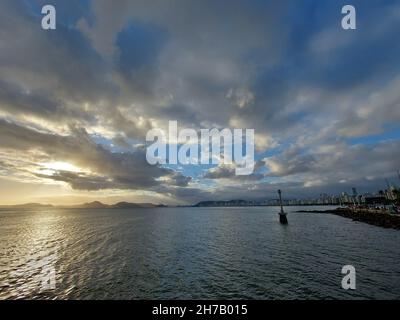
{"x":372,"y":217}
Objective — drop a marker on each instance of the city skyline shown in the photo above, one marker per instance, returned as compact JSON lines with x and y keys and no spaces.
{"x":76,"y":102}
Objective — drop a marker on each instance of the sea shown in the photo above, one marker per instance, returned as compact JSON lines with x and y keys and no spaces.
{"x":193,"y":253}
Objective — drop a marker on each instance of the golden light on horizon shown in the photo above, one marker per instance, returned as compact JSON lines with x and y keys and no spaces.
{"x":59,"y":166}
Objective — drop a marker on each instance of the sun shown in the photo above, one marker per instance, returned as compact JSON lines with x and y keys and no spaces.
{"x":60,"y":166}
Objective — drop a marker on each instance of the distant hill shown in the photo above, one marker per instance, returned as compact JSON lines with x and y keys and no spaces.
{"x":28,"y":206}
{"x":88,"y":205}
{"x":94,"y":205}
{"x":119,"y":205}
{"x":230,"y":203}
{"x":124,"y":205}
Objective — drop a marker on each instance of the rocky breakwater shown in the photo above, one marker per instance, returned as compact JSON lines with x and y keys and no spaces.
{"x":380,"y":218}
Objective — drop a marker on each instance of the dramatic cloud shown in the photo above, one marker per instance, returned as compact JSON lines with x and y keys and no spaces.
{"x":101,"y":168}
{"x":324,"y":102}
{"x":229,"y":172}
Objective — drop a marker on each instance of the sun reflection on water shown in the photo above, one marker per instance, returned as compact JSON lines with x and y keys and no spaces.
{"x":31,"y":255}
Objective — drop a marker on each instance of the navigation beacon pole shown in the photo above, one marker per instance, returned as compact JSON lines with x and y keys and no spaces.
{"x":282,"y":214}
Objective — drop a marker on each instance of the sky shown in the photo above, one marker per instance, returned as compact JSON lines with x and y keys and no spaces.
{"x":76,"y":102}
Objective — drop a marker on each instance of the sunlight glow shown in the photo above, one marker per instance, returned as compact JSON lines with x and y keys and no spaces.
{"x":60,"y":166}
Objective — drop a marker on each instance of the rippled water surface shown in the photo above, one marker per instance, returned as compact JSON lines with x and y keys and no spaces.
{"x":199,"y":253}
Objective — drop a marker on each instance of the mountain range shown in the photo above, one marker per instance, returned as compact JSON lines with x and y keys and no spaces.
{"x":88,"y":205}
